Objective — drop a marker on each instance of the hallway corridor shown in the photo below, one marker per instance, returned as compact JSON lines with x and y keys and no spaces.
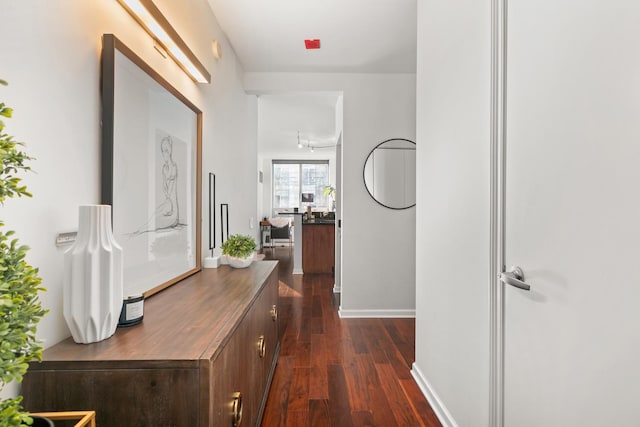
{"x":339,"y":372}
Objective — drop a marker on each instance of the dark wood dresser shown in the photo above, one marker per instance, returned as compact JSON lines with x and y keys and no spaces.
{"x":204,"y":355}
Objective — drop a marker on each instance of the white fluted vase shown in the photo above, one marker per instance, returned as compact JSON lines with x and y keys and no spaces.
{"x":93,"y":282}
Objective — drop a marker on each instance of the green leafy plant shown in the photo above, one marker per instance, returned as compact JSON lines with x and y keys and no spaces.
{"x":20,"y":308}
{"x":330,"y":191}
{"x":239,"y":246}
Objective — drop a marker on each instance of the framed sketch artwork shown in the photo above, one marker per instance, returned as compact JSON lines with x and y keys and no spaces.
{"x":151,"y":173}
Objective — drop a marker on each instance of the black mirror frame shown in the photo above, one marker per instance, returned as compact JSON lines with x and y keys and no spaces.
{"x":364,"y":177}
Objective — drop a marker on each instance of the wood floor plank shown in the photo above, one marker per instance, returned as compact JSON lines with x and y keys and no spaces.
{"x":367,"y":365}
{"x":318,"y":381}
{"x":298,"y":419}
{"x":403,"y":412}
{"x":407,"y":328}
{"x":380,"y":407}
{"x":288,"y":345}
{"x":348,"y":351}
{"x":316,"y":306}
{"x":363,"y":419}
{"x":406,"y":349}
{"x":357,"y":338}
{"x":399,"y":363}
{"x":303,"y":354}
{"x":294,"y":311}
{"x":319,"y":356}
{"x":332,"y":328}
{"x":377,"y":342}
{"x":357,"y":385}
{"x":319,"y":413}
{"x":304,"y":333}
{"x":317,"y":325}
{"x":275,"y":412}
{"x":319,"y":283}
{"x":334,"y":346}
{"x":339,"y":410}
{"x":299,"y":391}
{"x":419,"y":403}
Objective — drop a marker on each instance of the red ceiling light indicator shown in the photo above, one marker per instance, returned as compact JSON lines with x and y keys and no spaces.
{"x":312,"y":43}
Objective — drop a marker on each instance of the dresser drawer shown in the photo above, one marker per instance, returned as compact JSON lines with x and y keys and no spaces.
{"x":240,"y":374}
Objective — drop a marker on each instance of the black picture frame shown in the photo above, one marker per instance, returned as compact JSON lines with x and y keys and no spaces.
{"x":212,"y":212}
{"x":224,"y":221}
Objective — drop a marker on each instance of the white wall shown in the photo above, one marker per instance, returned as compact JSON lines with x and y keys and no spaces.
{"x":50,"y":56}
{"x":378,"y":270}
{"x":452,"y":234}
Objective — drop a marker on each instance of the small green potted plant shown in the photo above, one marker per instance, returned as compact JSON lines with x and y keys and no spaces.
{"x":330,"y":191}
{"x":20,"y":308}
{"x":239,"y":250}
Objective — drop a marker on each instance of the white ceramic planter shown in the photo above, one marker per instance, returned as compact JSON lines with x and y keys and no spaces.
{"x":240,"y":262}
{"x":93,"y":278}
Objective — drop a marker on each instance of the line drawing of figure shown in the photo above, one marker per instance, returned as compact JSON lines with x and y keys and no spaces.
{"x":169,"y":209}
{"x":167,"y":213}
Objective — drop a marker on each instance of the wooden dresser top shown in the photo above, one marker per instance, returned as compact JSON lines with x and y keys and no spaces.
{"x":183,"y":324}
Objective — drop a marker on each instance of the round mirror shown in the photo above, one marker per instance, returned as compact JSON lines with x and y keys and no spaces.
{"x":390,"y":173}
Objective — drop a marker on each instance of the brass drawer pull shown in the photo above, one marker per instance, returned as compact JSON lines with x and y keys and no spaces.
{"x":262,"y":347}
{"x":237,"y":409}
{"x":274,"y":312}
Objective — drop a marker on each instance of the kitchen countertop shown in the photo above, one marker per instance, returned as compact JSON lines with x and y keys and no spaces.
{"x":320,"y":222}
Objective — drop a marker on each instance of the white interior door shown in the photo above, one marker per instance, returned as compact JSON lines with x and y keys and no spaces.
{"x":572,"y":343}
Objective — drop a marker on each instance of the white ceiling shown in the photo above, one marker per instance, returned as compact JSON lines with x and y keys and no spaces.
{"x":285,"y":119}
{"x":357,"y":36}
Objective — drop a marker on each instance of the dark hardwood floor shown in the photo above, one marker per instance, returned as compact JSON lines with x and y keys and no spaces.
{"x":339,"y":372}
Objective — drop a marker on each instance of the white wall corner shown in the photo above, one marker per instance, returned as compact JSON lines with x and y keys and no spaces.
{"x":382,"y":313}
{"x":445,"y":417}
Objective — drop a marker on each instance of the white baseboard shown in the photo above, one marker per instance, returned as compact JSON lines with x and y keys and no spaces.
{"x":336,"y":288}
{"x":375,"y":313}
{"x":436,"y":403}
{"x":297,"y":271}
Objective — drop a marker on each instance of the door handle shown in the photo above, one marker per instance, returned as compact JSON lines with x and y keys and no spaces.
{"x":515,"y":277}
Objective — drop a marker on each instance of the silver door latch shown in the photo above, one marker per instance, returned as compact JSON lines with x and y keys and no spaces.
{"x":515,"y":277}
